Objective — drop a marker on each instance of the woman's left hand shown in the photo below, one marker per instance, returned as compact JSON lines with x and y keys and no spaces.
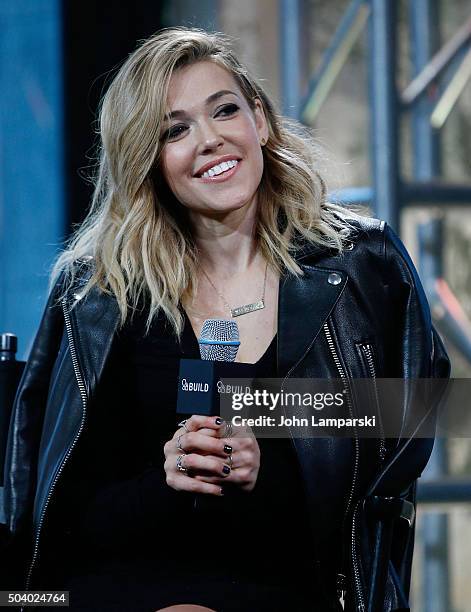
{"x":245,"y":455}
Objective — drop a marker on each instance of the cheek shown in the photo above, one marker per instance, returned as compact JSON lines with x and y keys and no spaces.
{"x":253,"y":140}
{"x":174,"y":168}
{"x":258,"y":165}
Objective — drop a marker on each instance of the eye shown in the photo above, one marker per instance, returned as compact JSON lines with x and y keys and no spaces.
{"x":227,"y":109}
{"x":174,"y":132}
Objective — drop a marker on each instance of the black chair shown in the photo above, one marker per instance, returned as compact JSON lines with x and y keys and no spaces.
{"x":11,"y":371}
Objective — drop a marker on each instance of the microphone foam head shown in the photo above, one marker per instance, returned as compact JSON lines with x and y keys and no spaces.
{"x":219,"y":340}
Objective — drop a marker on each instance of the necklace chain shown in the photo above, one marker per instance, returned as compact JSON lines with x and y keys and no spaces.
{"x":246,"y":308}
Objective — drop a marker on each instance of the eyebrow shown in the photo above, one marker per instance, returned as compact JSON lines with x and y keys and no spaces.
{"x":215,"y":96}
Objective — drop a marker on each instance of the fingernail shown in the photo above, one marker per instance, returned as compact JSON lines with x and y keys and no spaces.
{"x":227,"y":449}
{"x":219,"y":421}
{"x":226,"y":469}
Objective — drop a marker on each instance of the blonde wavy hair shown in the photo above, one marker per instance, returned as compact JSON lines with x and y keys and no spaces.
{"x":136,"y":231}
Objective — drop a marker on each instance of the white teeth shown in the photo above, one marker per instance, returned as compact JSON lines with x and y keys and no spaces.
{"x":219,"y":168}
{"x":215,"y":170}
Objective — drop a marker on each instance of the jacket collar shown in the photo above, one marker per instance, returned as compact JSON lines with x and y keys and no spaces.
{"x":304,"y":304}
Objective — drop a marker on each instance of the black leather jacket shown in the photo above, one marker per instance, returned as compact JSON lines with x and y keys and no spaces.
{"x":371,"y":295}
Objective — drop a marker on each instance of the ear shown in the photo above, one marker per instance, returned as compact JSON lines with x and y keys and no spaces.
{"x":260,"y":120}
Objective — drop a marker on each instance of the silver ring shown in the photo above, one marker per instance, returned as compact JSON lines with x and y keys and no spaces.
{"x":227,"y":429}
{"x":179,"y":444}
{"x":183,"y":424}
{"x":180,"y":466}
{"x":229,"y":460}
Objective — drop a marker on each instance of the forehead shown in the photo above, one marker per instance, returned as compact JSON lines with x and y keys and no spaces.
{"x":190,"y":86}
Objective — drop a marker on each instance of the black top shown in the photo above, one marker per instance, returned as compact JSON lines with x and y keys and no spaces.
{"x":112,"y":502}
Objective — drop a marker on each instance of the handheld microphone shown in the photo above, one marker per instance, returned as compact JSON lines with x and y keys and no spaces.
{"x":198,"y":378}
{"x":219,"y":340}
{"x":197,"y":388}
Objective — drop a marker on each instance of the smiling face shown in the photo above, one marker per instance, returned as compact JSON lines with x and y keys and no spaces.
{"x":212,"y":160}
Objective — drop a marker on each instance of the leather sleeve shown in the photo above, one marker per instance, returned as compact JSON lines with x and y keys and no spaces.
{"x":422,"y":353}
{"x":412,"y":348}
{"x":27,"y":418}
{"x":417,"y":353}
{"x":440,"y":362}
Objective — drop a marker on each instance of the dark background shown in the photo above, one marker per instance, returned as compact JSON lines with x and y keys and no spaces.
{"x":97,"y":38}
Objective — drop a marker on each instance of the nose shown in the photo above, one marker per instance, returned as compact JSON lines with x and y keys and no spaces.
{"x":209,"y":137}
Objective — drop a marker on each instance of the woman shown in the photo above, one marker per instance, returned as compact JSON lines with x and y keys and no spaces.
{"x":206,"y":200}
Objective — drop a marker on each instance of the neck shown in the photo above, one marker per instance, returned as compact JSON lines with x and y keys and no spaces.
{"x":227,"y":244}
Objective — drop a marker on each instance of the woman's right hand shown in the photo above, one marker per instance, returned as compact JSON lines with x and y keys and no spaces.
{"x":206,"y":454}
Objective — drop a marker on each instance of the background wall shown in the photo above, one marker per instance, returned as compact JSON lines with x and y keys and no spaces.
{"x":55,"y":61}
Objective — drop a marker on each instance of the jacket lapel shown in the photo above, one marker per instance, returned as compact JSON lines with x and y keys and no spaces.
{"x":304,"y":304}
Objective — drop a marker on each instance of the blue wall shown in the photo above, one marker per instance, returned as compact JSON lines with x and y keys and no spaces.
{"x":31,"y":158}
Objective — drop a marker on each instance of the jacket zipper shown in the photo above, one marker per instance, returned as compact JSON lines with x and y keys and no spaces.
{"x":83,"y":394}
{"x":340,"y":577}
{"x":367,"y":350}
{"x":341,"y":371}
{"x":360,"y":604}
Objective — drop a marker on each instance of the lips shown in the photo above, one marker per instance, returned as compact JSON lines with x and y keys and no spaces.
{"x":215,"y":162}
{"x":220,"y":178}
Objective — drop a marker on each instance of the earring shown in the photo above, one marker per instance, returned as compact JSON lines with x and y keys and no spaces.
{"x":262,"y":142}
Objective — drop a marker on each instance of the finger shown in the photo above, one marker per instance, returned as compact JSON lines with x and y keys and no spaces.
{"x":238,"y":477}
{"x":209,"y":479}
{"x":181,"y":482}
{"x":197,"y":442}
{"x":212,"y":433}
{"x":228,"y":430}
{"x":197,"y":421}
{"x":244,"y":468}
{"x":211,"y":466}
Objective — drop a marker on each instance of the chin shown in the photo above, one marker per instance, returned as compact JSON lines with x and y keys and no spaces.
{"x":239,"y":200}
{"x":232,"y":207}
{"x":223,"y":204}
